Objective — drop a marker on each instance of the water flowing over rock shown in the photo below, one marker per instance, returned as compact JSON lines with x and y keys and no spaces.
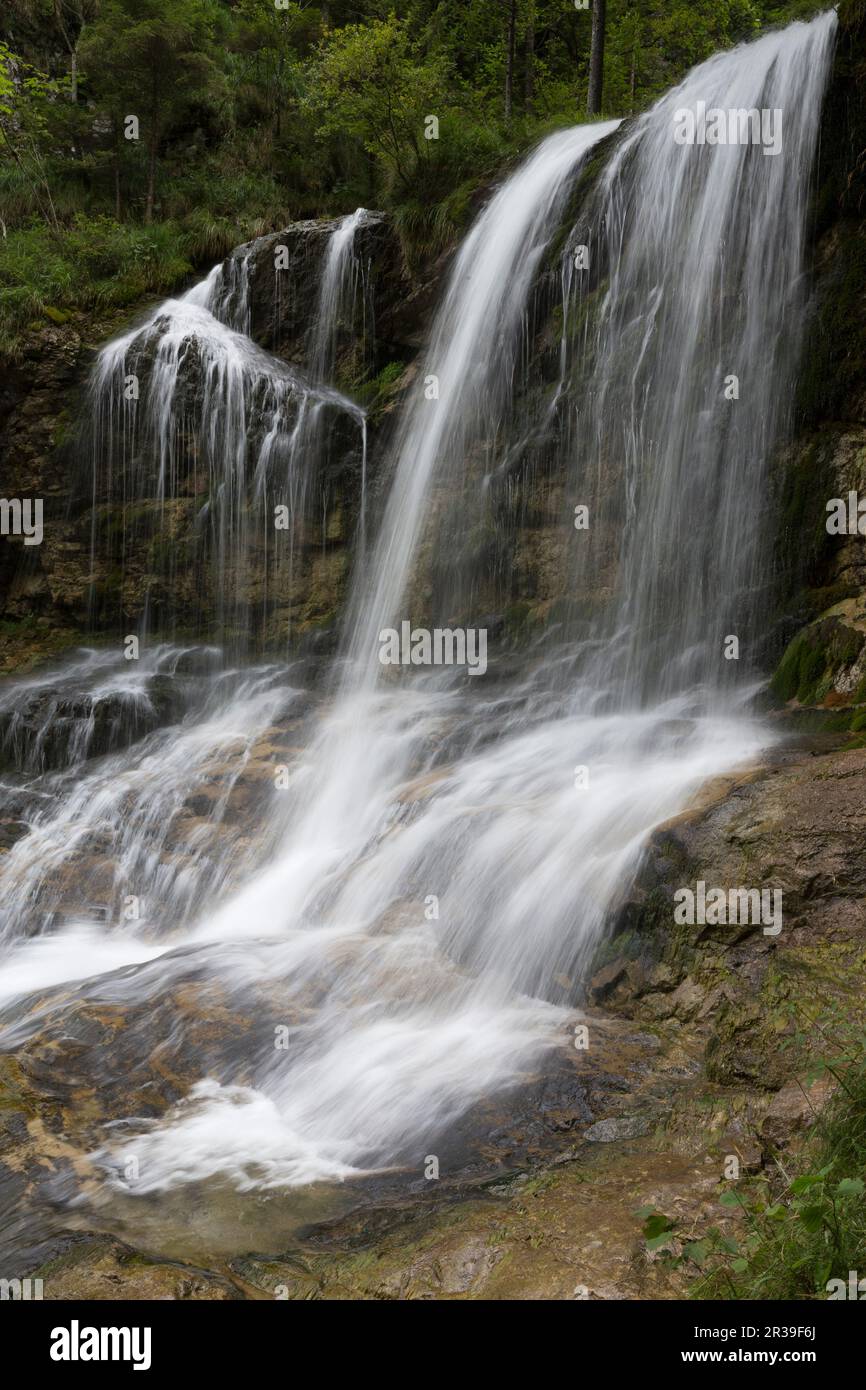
{"x":387,"y":888}
{"x":722,"y":294}
{"x":199,"y":439}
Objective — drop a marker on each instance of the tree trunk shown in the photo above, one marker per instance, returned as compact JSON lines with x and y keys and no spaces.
{"x":529,"y":74}
{"x":151,"y":178}
{"x":509,"y":59}
{"x":596,"y":58}
{"x":71,"y":46}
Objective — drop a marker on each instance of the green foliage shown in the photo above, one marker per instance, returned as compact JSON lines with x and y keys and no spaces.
{"x":250,"y":115}
{"x":812,"y":659}
{"x":370,"y":84}
{"x":799,"y":670}
{"x":96,"y":264}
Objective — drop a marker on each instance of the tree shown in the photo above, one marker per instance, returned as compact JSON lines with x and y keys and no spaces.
{"x":368,"y":81}
{"x":529,"y":57}
{"x":70,"y":18}
{"x":26,"y":95}
{"x":510,"y":33}
{"x":151,"y":59}
{"x":596,"y":57}
{"x":266,"y":42}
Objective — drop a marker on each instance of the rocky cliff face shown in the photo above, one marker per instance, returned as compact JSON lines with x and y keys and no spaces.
{"x":699,"y":1034}
{"x":109,"y":555}
{"x":821,"y":613}
{"x":100,"y":566}
{"x":114,"y":543}
{"x":756,"y":1001}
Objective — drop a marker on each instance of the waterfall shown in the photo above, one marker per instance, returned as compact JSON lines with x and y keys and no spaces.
{"x":706,"y":285}
{"x":341,"y":284}
{"x":196,"y":437}
{"x":337,"y":291}
{"x":438,"y":866}
{"x":144,"y":760}
{"x":460,"y":394}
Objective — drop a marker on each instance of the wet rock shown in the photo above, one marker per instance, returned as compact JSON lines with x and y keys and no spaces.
{"x":460,"y":1268}
{"x":615,"y":1131}
{"x":283,"y":303}
{"x":606,"y":979}
{"x":55,"y":728}
{"x":320,"y":641}
{"x":99,"y":1269}
{"x":282,"y":1279}
{"x":798,"y":825}
{"x":795,"y":1108}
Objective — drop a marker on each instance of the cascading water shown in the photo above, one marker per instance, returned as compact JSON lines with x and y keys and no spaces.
{"x":175,"y":730}
{"x":197,"y":437}
{"x":340,"y":285}
{"x":705,"y":299}
{"x":435,"y":873}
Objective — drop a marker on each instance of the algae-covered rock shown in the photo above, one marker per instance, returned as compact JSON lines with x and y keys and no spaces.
{"x":798,"y":827}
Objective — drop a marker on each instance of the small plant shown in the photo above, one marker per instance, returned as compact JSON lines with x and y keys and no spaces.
{"x":798,"y":1226}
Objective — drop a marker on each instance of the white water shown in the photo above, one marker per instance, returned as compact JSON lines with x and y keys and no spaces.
{"x":401,"y":1020}
{"x":706,"y":281}
{"x":137,"y":801}
{"x":337,"y":291}
{"x":473,"y":357}
{"x":219,"y":436}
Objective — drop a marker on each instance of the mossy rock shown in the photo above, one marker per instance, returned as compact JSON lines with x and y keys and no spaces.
{"x":814,"y":659}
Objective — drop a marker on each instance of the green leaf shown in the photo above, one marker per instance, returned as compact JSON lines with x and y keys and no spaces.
{"x":658,"y":1241}
{"x":656,"y":1224}
{"x":851,"y":1187}
{"x":812,"y":1218}
{"x":804,"y":1183}
{"x":696,"y":1250}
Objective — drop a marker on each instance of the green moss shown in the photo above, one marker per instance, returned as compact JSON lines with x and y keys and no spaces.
{"x":813,"y":659}
{"x":377,"y":392}
{"x":518,"y":620}
{"x":17,"y":627}
{"x":798,"y":671}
